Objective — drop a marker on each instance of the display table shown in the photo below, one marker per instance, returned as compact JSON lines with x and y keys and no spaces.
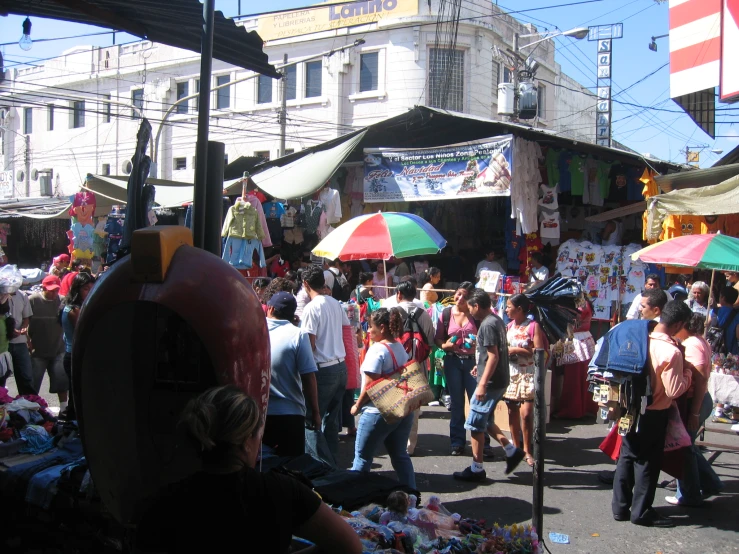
{"x":724,"y":388}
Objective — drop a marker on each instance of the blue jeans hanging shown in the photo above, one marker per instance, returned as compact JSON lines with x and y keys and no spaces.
{"x":239,"y":252}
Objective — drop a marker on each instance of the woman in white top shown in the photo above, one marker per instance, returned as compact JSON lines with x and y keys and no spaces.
{"x":384,"y":357}
{"x":428,"y":281}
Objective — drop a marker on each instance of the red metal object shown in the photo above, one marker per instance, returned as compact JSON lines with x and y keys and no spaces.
{"x":142,"y":351}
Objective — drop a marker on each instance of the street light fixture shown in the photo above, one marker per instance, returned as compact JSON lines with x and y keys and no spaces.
{"x":653,"y":44}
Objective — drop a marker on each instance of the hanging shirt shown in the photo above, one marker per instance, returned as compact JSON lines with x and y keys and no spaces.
{"x":617,"y":190}
{"x":242,"y":221}
{"x":563,"y":167}
{"x":634,"y":186}
{"x":731,"y":225}
{"x":716,"y":225}
{"x":603,"y":176}
{"x":681,"y":225}
{"x":552,"y":163}
{"x":548,"y":198}
{"x":332,"y":202}
{"x":274,"y":211}
{"x":313,"y":211}
{"x":650,"y":185}
{"x":549,"y":225}
{"x":578,"y":175}
{"x":253,"y":198}
{"x":83,"y":236}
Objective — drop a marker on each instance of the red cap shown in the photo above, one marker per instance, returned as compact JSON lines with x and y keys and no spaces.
{"x":51,"y":282}
{"x":63,"y":258}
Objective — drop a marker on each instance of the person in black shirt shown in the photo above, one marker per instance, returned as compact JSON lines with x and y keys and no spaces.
{"x":228,"y":504}
{"x":493,"y":379}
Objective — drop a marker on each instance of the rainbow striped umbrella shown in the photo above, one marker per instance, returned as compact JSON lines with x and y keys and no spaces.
{"x":717,"y":252}
{"x":381,"y":236}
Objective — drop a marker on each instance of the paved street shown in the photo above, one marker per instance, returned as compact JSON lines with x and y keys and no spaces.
{"x":576,"y":503}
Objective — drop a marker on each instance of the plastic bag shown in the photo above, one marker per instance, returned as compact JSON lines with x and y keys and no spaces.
{"x":10,"y":279}
{"x":676,"y":436}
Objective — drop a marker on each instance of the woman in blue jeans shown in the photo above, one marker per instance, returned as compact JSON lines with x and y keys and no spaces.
{"x":384,"y":357}
{"x":456,"y":333}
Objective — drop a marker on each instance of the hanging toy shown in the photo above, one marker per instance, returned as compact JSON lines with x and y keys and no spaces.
{"x":81,"y":232}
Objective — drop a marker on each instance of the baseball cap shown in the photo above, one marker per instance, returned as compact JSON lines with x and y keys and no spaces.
{"x":51,"y":282}
{"x":63,"y":258}
{"x":283,"y":301}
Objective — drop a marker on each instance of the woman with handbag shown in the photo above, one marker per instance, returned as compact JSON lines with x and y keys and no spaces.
{"x":524,"y":336}
{"x":386,"y":356}
{"x":456,"y":335}
{"x":574,"y":400}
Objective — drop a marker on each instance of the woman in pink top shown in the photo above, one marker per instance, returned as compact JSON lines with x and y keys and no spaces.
{"x":699,"y":480}
{"x":456,"y":335}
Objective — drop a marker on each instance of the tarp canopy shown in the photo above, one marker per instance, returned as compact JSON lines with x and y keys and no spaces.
{"x":175,"y":22}
{"x":303,"y":175}
{"x":714,"y":200}
{"x":112,"y":189}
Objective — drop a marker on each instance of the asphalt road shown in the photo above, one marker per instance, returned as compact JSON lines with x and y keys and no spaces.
{"x":575,"y":502}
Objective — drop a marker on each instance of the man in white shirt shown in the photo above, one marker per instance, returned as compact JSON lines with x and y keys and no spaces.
{"x":651,"y":304}
{"x":489,"y":264}
{"x":20,"y":310}
{"x":323,"y":319}
{"x":539,"y":272}
{"x":652,"y":282}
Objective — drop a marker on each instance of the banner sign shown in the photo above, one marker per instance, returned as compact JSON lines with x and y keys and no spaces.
{"x":327,"y":17}
{"x":6,"y":184}
{"x":469,"y":170}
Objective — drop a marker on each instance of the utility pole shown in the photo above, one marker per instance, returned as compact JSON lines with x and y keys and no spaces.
{"x":27,"y":159}
{"x":515,"y":77}
{"x":283,"y":106}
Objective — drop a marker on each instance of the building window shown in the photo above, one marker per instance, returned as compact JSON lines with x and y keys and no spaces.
{"x":264,"y":154}
{"x":106,"y":169}
{"x":264,"y":90}
{"x":541,"y":100}
{"x":27,"y":120}
{"x":106,"y":109}
{"x":313,"y":75}
{"x":180,"y":163}
{"x":223,"y":99}
{"x":182,"y":92}
{"x":495,"y":73}
{"x":291,"y":86}
{"x":137,"y":101}
{"x":368,"y":65}
{"x":50,"y":117}
{"x":507,"y":75}
{"x":446,"y":79}
{"x":78,"y":114}
{"x":197,"y":91}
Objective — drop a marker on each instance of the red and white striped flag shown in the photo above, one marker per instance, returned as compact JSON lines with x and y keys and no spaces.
{"x":695,"y":45}
{"x":730,"y":51}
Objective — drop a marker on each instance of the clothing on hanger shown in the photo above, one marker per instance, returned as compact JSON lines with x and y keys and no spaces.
{"x":242,"y":221}
{"x":253,"y":199}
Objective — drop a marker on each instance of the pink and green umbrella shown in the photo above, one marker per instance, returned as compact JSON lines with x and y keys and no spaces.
{"x":381,"y":236}
{"x":717,"y":252}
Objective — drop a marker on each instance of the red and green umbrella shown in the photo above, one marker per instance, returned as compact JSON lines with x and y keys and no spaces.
{"x":381,"y":236}
{"x":717,"y":252}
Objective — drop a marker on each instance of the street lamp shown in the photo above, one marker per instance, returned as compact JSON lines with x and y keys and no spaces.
{"x":653,"y":44}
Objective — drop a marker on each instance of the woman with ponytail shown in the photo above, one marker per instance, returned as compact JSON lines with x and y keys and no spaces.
{"x":384,"y":357}
{"x":228,"y":501}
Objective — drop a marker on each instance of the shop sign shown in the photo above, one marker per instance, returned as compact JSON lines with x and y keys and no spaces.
{"x":327,"y":17}
{"x":604,"y":35}
{"x":6,"y":184}
{"x":468,"y":170}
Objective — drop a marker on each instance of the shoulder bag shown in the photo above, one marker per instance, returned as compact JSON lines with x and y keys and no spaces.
{"x":400,"y":393}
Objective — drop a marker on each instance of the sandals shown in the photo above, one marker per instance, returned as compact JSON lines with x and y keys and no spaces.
{"x":530,"y":460}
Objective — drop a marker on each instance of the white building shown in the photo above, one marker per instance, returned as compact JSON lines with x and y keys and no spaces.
{"x":79,"y":113}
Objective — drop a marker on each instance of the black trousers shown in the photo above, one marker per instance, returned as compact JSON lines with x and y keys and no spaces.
{"x":285,"y":433}
{"x":71,"y":413}
{"x":637,"y":471}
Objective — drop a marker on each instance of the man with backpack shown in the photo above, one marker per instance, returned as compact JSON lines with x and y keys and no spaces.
{"x":642,"y":447}
{"x":336,"y":282}
{"x":417,"y":337}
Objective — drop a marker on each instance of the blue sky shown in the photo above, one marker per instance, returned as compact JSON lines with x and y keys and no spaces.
{"x":662,"y":133}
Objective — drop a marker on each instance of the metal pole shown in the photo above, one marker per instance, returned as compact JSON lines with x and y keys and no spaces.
{"x":283,"y":107}
{"x":201,"y":149}
{"x":515,"y":76}
{"x":213,"y":198}
{"x":708,"y":303}
{"x":540,"y":412}
{"x":27,"y":160}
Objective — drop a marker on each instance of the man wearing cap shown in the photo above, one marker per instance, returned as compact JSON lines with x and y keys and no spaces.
{"x":47,"y":341}
{"x":19,"y":309}
{"x":59,"y":264}
{"x":293,"y":382}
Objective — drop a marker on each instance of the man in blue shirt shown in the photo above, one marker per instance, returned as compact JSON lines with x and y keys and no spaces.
{"x":293,"y":382}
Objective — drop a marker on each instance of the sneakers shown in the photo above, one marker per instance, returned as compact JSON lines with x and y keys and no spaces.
{"x":676,"y":502}
{"x":511,"y":462}
{"x":457,"y":450}
{"x":434,"y":403}
{"x":469,"y":475}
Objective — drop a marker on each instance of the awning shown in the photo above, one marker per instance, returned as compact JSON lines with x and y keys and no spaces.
{"x":714,"y":200}
{"x":696,"y":178}
{"x":623,"y":211}
{"x":35,"y":208}
{"x":301,"y":176}
{"x":112,"y":189}
{"x":178,"y":23}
